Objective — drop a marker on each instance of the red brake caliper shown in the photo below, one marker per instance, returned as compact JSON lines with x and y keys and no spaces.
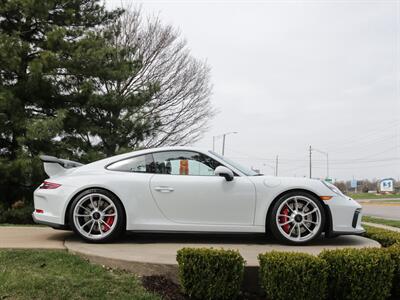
{"x":109,"y":221}
{"x":285,"y":212}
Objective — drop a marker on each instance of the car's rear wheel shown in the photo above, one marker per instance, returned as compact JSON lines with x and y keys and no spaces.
{"x":297,"y":218}
{"x":97,"y":216}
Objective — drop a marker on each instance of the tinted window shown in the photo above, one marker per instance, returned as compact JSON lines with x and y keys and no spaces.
{"x":184,"y":163}
{"x":141,"y":164}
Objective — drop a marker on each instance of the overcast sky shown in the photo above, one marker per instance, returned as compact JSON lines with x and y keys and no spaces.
{"x":289,"y":74}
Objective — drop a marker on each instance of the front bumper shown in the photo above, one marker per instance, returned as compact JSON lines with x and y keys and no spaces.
{"x":345,"y":216}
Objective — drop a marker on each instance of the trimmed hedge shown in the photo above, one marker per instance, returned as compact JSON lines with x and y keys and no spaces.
{"x":290,"y":275}
{"x":385,"y":237}
{"x":359,"y":273}
{"x":210,"y":273}
{"x":394,"y":252}
{"x":391,"y":241}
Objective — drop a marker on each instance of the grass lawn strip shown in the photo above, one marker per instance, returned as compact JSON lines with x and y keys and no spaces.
{"x":49,"y":274}
{"x":393,"y":223}
{"x":373,"y":196}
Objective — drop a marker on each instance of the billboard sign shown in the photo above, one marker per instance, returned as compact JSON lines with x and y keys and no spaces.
{"x":386,"y":185}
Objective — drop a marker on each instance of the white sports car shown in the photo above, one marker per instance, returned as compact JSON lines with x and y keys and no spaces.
{"x":187,"y":190}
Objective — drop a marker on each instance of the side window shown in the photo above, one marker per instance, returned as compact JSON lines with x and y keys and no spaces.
{"x":184,"y":163}
{"x":140,"y":164}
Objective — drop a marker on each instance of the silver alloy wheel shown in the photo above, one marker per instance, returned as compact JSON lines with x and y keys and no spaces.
{"x":298,"y":218}
{"x":95,"y":216}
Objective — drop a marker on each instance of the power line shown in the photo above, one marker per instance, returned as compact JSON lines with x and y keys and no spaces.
{"x":356,"y":139}
{"x":331,"y":161}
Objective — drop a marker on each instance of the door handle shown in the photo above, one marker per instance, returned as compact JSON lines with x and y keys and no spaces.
{"x":164,"y":189}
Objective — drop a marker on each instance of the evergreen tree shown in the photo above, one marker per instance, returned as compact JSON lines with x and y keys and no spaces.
{"x":55,"y":57}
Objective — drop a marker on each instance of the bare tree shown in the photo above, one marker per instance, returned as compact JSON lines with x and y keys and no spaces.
{"x":342,"y":186}
{"x":181,"y":104}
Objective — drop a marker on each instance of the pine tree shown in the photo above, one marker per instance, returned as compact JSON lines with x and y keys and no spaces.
{"x":54,"y":59}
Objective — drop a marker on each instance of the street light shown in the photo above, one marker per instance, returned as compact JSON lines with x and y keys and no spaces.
{"x":223,"y":140}
{"x":327,"y":160}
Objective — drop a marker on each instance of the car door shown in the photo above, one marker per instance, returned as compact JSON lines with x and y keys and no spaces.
{"x":186,"y":191}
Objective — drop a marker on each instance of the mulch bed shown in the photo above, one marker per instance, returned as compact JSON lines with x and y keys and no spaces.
{"x":169,"y":290}
{"x":163,"y":286}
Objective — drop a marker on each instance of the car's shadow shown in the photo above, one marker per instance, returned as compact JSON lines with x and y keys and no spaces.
{"x":223,"y":238}
{"x":194,"y":238}
{"x":131,"y":237}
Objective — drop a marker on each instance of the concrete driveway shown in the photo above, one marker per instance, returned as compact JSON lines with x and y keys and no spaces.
{"x":32,"y":237}
{"x":155,"y":254}
{"x":161,"y":248}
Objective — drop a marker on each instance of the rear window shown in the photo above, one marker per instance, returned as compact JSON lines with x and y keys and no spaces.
{"x":138,"y":164}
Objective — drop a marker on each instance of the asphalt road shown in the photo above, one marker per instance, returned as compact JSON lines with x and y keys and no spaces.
{"x":384,"y":210}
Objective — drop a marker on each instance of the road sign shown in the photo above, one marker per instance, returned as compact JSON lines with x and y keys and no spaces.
{"x":353,"y":183}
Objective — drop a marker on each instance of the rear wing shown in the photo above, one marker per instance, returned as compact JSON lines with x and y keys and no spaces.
{"x":56,"y":166}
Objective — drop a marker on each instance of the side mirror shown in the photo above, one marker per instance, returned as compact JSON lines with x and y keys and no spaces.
{"x":224,"y":172}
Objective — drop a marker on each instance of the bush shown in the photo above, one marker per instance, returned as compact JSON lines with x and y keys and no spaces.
{"x":289,"y":275}
{"x":359,"y":273}
{"x":210,"y":273}
{"x":21,"y":215}
{"x":394,"y":252}
{"x":385,"y":237}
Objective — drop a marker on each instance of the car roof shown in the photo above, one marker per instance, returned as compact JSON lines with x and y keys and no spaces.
{"x":108,"y":160}
{"x":169,"y":148}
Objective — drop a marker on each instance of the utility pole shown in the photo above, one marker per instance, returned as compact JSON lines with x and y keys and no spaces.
{"x":327,"y":165}
{"x":276,"y":165}
{"x":310,"y":160}
{"x":223,"y":144}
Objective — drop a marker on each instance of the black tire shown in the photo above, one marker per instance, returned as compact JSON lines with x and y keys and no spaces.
{"x":273,"y":227}
{"x":120,"y":225}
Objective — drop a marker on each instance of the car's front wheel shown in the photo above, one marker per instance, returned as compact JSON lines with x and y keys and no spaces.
{"x":97,"y":216}
{"x":297,"y":218}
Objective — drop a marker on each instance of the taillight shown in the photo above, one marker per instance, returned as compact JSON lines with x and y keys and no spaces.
{"x":46,"y":185}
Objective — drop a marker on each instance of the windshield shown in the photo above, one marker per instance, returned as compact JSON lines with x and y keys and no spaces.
{"x":242,"y":169}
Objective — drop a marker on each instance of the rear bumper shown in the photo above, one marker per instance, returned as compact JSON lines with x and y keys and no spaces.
{"x":52,"y":203}
{"x":48,"y":223}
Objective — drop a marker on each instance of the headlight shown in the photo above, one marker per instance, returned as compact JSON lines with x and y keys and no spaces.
{"x":332,"y":188}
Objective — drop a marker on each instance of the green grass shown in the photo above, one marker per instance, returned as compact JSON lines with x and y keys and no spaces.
{"x":32,"y":274}
{"x":393,"y":223}
{"x":377,"y":201}
{"x":372,"y":196}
